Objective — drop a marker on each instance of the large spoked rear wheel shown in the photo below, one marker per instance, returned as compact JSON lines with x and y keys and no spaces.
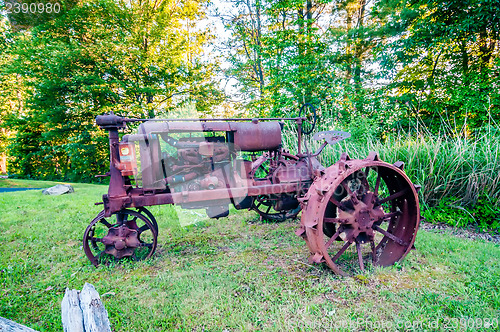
{"x":360,"y":210}
{"x":130,"y":235}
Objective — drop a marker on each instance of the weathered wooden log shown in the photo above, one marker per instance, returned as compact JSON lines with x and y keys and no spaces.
{"x":71,"y":313}
{"x":95,"y":316}
{"x":10,"y":326}
{"x":83,"y":311}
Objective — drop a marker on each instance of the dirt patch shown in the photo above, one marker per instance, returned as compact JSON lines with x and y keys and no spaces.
{"x":466,"y":233}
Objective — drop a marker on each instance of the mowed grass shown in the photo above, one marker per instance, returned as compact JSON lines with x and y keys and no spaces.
{"x":234,"y":274}
{"x":20,"y":183}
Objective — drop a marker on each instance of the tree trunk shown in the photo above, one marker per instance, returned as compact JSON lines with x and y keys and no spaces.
{"x":358,"y":59}
{"x":258,"y":56}
{"x":308,"y":55}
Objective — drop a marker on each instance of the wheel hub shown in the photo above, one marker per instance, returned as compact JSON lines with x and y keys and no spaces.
{"x":121,"y":241}
{"x":134,"y":234}
{"x":360,"y":219}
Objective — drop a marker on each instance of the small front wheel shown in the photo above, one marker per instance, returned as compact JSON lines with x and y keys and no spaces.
{"x":131,"y":234}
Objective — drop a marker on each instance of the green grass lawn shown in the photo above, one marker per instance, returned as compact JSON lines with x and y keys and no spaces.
{"x":233,"y":274}
{"x":19,"y":183}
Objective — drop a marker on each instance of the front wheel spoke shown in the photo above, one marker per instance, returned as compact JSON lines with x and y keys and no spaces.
{"x":341,"y":251}
{"x":96,"y":239}
{"x":122,"y":218}
{"x":143,"y":228}
{"x":149,"y":245}
{"x":360,"y":256}
{"x":390,"y":236}
{"x":393,"y":196}
{"x":105,"y":223}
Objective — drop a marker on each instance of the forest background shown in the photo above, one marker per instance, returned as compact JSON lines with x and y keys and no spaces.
{"x":415,"y":80}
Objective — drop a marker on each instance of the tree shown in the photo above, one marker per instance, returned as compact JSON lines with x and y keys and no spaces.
{"x":277,"y":54}
{"x":322,"y":52}
{"x":450,"y":62}
{"x":139,"y":59}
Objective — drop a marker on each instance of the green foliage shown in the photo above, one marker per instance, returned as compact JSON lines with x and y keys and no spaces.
{"x":486,"y":213}
{"x":449,"y":63}
{"x":287,"y":53}
{"x":234,"y":273}
{"x":400,"y":63}
{"x":30,"y":13}
{"x":137,"y":59}
{"x":447,"y":212}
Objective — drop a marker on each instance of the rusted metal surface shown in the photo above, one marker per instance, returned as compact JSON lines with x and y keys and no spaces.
{"x":368,"y":205}
{"x":133,"y":234}
{"x":260,"y":136}
{"x":365,"y":203}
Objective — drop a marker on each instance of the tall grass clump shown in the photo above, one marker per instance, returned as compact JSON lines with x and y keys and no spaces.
{"x":453,"y":167}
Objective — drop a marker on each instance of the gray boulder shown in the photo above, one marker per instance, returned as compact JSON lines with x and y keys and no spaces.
{"x":58,"y":190}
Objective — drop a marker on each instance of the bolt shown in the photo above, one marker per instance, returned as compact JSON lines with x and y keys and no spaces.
{"x":120,"y":244}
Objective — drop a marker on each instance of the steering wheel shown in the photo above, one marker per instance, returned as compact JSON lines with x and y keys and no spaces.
{"x":309,"y":112}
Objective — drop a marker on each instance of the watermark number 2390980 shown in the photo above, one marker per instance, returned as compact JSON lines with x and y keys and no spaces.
{"x":33,"y":7}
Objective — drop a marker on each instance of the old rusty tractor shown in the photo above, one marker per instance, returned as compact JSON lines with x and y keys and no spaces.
{"x":211,"y":164}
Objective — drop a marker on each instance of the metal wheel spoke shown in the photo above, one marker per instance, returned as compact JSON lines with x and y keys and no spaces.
{"x":333,"y":220}
{"x":390,"y":236}
{"x":341,"y":251}
{"x":374,"y":252}
{"x":142,"y":228}
{"x":123,"y":217}
{"x":264,"y":205}
{"x":392,"y":214}
{"x":393,"y":196}
{"x":360,"y":256}
{"x":337,"y":203}
{"x":352,"y":195}
{"x":377,"y":184}
{"x":105,"y":223}
{"x":367,"y":170}
{"x":336,"y":235}
{"x":96,"y":239}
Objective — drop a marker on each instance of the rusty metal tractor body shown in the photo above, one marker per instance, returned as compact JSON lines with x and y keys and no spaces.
{"x":215,"y":163}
